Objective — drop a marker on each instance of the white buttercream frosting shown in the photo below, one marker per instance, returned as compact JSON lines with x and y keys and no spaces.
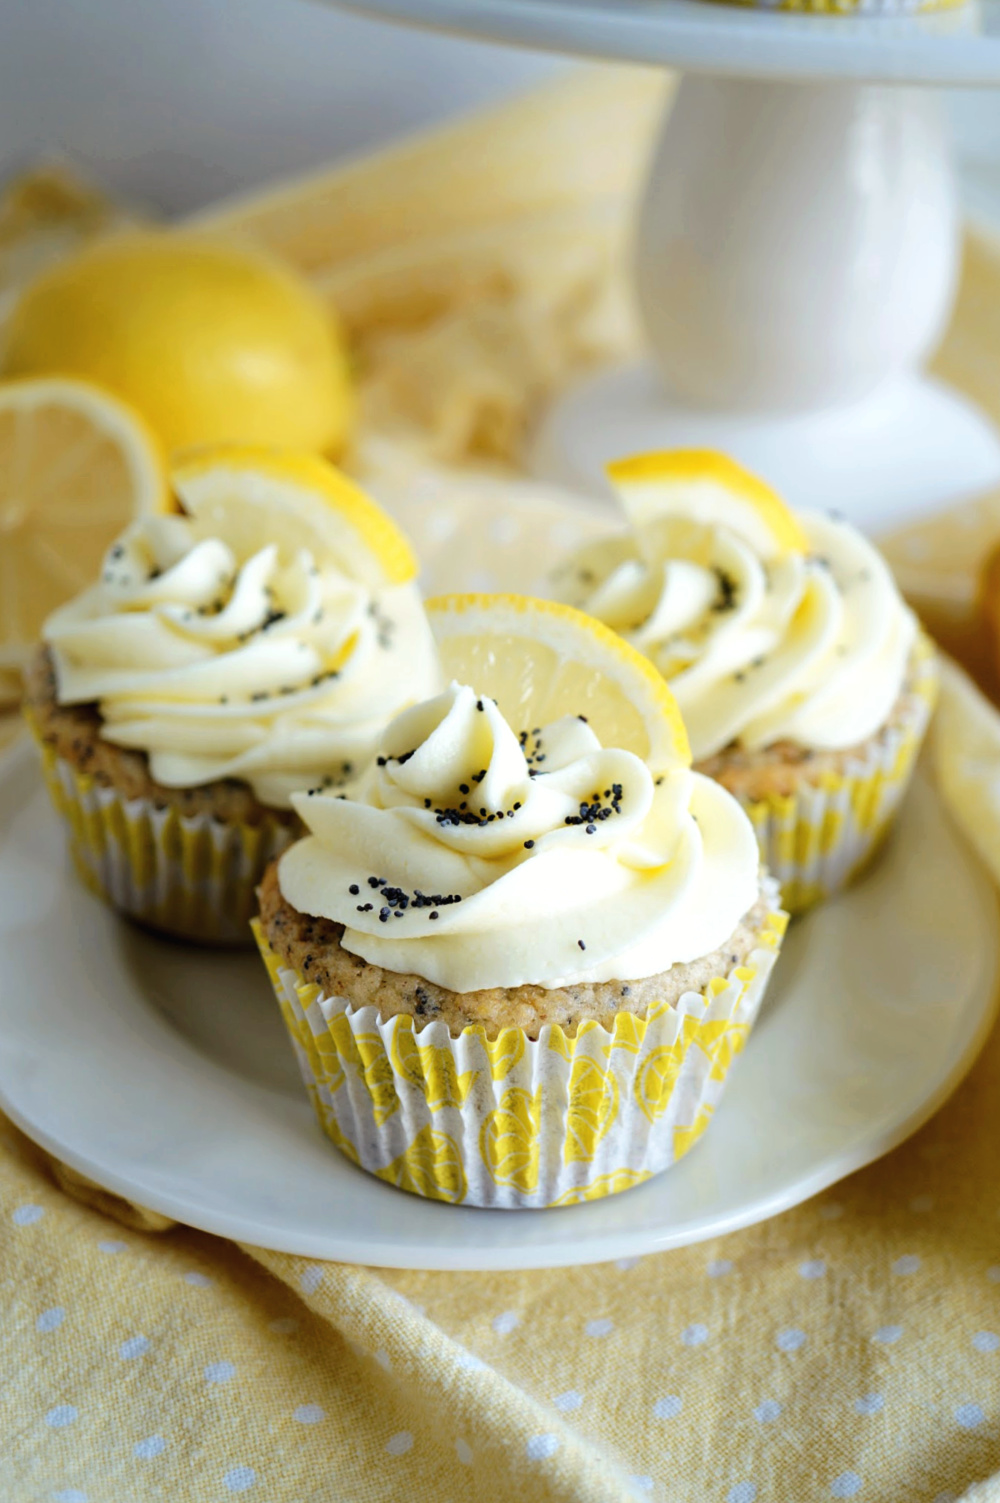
{"x":276,"y":669}
{"x":476,"y":856}
{"x":810,"y":647}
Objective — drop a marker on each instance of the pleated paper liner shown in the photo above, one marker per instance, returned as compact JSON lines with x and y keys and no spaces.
{"x":874,"y":8}
{"x":515,"y":1122}
{"x":190,"y":876}
{"x":816,"y":840}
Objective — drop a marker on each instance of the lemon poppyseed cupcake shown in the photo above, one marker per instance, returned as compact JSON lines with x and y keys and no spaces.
{"x":518,"y":961}
{"x":803,"y":678}
{"x":253,"y":645}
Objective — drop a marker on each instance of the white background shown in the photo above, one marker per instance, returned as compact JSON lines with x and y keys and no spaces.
{"x":181,"y":101}
{"x":178,"y":102}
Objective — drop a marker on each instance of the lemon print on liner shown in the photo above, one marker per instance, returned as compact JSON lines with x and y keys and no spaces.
{"x":593,"y":1107}
{"x":509,"y":1141}
{"x":605,"y":1184}
{"x":429,"y":1068}
{"x":431,"y":1166}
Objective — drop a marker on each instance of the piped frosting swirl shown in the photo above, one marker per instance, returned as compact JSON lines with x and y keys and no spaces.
{"x":809,"y":646}
{"x":476,"y":856}
{"x":273,"y":668}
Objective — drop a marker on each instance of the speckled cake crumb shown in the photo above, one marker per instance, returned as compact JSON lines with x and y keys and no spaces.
{"x":74,"y":734}
{"x":784,"y":766}
{"x":312,"y":947}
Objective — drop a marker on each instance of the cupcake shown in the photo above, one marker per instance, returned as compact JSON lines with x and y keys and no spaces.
{"x":253,"y":644}
{"x":804,"y":680}
{"x":519,"y":959}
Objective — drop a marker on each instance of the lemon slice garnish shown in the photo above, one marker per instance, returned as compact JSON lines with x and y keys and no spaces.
{"x":76,"y":466}
{"x":702,"y":486}
{"x":541,"y":660}
{"x":297,"y":500}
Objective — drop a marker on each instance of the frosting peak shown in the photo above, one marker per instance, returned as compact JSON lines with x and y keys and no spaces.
{"x":478,"y":857}
{"x":269,"y":666}
{"x":809,"y":646}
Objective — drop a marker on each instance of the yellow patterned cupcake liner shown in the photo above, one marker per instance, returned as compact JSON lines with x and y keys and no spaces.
{"x":817,"y":840}
{"x":873,"y":8}
{"x":515,"y":1122}
{"x":191,"y":876}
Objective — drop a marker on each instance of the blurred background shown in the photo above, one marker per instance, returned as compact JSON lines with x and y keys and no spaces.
{"x":181,"y":104}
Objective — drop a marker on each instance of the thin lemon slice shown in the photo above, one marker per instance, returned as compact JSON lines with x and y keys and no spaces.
{"x":703,"y":486}
{"x":540,"y":660}
{"x":298,"y":500}
{"x":76,"y":466}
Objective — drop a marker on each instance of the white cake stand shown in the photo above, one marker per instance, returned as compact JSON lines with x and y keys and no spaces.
{"x":797,"y":249}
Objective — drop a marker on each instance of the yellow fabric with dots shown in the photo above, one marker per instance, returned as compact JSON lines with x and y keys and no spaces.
{"x":849,"y":1348}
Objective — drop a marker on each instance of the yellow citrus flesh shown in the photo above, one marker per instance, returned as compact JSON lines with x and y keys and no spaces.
{"x":212,"y":342}
{"x":703,"y":486}
{"x":255,"y":496}
{"x":540,"y":660}
{"x":76,"y":466}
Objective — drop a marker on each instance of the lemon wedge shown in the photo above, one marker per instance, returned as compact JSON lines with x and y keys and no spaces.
{"x":76,"y":466}
{"x":702,"y":486}
{"x":297,"y":500}
{"x":540,"y":660}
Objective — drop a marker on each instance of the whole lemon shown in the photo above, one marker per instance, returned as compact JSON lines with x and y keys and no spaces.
{"x":211,"y":341}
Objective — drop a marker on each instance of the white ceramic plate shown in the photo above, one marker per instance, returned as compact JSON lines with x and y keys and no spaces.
{"x":959,"y":46}
{"x":164,"y":1073}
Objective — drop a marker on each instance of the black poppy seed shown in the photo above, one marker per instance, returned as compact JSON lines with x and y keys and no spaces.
{"x":383,"y":915}
{"x":463,"y":787}
{"x":434,"y":914}
{"x":354,"y":889}
{"x":591,"y":829}
{"x":517,"y":806}
{"x":581,"y":944}
{"x":373,"y":881}
{"x":427,"y":803}
{"x":380,"y":761}
{"x":528,"y":844}
{"x":584,"y":719}
{"x":479,"y":704}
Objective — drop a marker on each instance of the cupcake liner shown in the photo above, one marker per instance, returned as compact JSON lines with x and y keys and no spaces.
{"x":873,"y":8}
{"x":816,"y":840}
{"x":516,"y":1122}
{"x":192,"y":876}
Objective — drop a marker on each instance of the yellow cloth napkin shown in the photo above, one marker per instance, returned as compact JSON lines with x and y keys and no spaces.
{"x":850,"y":1348}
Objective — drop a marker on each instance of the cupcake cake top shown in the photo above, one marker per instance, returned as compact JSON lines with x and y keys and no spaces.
{"x":266,"y":635}
{"x":769,"y":625}
{"x":483,"y":850}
